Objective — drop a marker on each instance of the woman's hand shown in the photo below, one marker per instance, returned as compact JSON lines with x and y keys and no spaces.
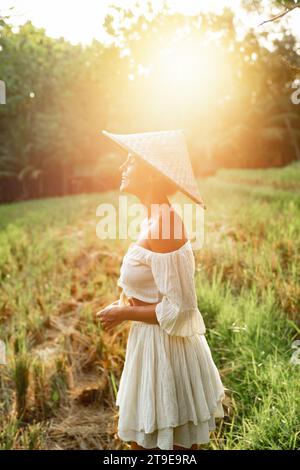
{"x":111,"y":316}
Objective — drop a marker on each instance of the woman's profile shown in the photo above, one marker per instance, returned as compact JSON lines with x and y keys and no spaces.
{"x":170,"y":391}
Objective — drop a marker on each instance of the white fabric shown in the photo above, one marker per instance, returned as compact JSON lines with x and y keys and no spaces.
{"x":168,"y":278}
{"x":170,"y":389}
{"x":136,"y":278}
{"x":173,"y":272}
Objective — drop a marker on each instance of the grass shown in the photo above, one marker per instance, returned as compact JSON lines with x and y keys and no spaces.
{"x":58,"y":388}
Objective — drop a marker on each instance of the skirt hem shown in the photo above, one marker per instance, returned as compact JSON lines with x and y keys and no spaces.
{"x":131,"y":436}
{"x":217,"y":413}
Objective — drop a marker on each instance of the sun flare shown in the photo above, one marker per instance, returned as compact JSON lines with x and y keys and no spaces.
{"x":188,"y":72}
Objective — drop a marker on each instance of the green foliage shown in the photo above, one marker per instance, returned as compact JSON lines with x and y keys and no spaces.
{"x":50,"y":121}
{"x":21,"y":377}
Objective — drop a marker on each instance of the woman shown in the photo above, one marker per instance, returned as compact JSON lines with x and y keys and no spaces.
{"x":170,"y":390}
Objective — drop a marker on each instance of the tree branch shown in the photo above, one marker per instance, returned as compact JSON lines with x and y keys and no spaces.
{"x":280,"y":15}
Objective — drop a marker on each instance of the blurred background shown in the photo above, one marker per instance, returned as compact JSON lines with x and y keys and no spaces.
{"x":221,"y":70}
{"x":228,"y":73}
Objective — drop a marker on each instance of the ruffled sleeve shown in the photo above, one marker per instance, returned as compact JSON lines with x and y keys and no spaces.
{"x":177,"y":312}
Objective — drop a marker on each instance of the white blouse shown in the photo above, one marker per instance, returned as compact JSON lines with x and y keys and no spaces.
{"x":166,"y":278}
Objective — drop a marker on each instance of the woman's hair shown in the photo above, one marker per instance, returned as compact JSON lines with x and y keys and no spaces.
{"x":163,"y":184}
{"x":169,"y":187}
{"x":160,"y":183}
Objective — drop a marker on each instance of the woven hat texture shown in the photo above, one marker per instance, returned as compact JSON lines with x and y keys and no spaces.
{"x":167,"y":152}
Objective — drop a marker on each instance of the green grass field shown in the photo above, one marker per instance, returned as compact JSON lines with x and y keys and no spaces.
{"x":58,"y":387}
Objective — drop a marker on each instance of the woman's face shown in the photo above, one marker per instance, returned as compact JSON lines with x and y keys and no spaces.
{"x":133,"y":175}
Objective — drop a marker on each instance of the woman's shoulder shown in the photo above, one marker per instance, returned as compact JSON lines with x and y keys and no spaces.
{"x":168,"y":233}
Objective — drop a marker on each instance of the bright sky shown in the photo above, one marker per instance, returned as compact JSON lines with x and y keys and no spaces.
{"x":81,"y":21}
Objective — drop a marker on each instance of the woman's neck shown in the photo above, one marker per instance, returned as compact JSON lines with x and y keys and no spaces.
{"x":153,"y":205}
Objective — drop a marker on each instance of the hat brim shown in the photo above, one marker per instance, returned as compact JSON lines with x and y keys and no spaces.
{"x":128,"y":149}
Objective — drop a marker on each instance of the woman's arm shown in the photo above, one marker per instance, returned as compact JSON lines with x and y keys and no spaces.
{"x":112,"y":315}
{"x":145,"y":313}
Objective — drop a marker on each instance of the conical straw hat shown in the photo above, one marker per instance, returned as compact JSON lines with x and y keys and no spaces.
{"x":167,"y":152}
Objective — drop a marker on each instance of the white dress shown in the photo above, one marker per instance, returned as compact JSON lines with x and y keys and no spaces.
{"x":170,"y":391}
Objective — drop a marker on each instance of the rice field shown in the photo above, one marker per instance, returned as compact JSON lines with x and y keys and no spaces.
{"x":60,"y":379}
